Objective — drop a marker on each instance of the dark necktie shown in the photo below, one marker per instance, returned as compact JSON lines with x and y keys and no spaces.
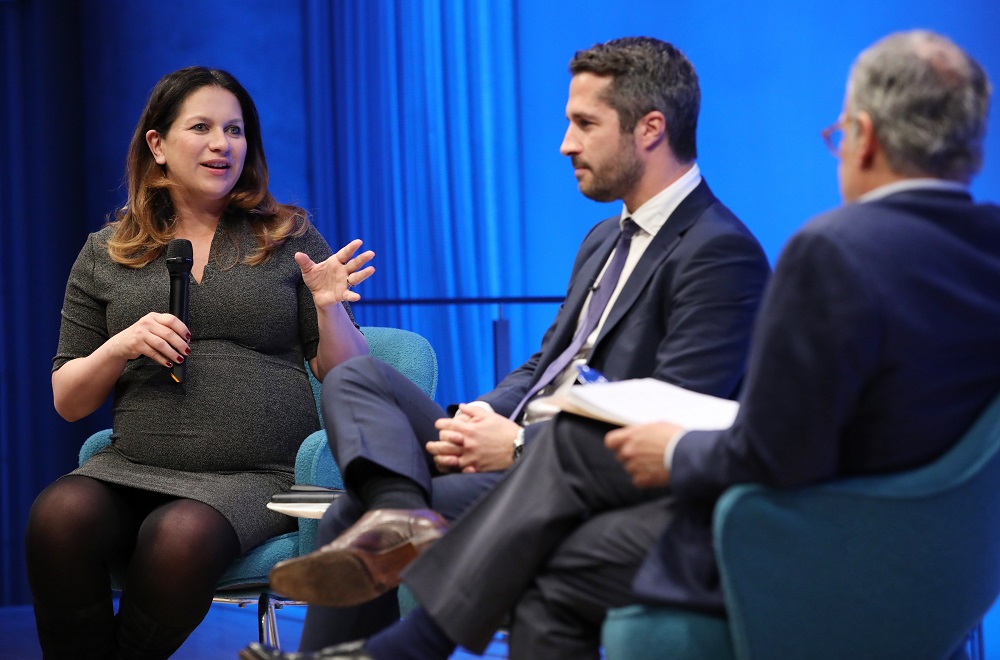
{"x":598,"y":301}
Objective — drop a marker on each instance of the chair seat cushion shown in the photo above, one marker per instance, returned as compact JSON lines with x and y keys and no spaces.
{"x":253,"y":567}
{"x":638,"y":632}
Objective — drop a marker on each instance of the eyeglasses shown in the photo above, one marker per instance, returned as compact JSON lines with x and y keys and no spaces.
{"x":833,"y":135}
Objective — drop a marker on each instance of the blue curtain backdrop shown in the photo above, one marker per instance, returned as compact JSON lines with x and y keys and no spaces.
{"x":412,"y":108}
{"x":40,"y":155}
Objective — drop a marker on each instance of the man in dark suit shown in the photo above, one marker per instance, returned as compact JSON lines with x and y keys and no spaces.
{"x":875,"y":349}
{"x":681,"y":311}
{"x":877,"y":345}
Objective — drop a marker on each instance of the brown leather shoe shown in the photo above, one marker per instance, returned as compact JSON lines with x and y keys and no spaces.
{"x":363,"y":562}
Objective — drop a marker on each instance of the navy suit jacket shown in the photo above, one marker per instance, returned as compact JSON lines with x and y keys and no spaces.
{"x":683,"y":316}
{"x":876,"y":347}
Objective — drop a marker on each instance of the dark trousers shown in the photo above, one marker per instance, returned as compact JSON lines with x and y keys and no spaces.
{"x":557,"y":543}
{"x":374,"y":413}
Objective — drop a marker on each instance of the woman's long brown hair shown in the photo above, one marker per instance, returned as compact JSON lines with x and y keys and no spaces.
{"x":144,"y":226}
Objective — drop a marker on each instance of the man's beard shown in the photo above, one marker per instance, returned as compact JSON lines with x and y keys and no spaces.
{"x":614,"y":179}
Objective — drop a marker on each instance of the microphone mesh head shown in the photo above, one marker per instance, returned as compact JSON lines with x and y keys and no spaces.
{"x":180,"y":255}
{"x":180,"y":247}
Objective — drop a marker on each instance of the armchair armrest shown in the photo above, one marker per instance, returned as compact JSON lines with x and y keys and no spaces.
{"x":314,"y":465}
{"x":94,"y":444}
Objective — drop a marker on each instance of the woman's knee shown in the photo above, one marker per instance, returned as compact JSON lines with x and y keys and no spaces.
{"x":187,"y":531}
{"x":70,"y":511}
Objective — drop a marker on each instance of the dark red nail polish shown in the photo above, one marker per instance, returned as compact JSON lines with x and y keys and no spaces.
{"x":170,"y":365}
{"x":187,"y":349}
{"x":179,"y":359}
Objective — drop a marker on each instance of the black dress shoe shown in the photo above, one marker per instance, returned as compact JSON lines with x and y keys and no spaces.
{"x":348,"y":651}
{"x":363,"y":562}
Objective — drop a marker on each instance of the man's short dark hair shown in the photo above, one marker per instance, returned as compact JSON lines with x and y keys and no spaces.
{"x":648,"y":74}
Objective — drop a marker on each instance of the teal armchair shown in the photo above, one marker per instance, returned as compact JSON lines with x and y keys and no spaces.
{"x":892,"y":566}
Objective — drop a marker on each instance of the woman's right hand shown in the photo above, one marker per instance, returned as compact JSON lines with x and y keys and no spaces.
{"x":162,"y":338}
{"x":80,"y":386}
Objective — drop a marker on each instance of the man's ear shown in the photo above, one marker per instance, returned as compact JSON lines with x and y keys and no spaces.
{"x":155,"y":142}
{"x":867,"y":143}
{"x":651,"y":129}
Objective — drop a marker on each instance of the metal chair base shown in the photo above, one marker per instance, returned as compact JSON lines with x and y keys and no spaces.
{"x":267,"y":624}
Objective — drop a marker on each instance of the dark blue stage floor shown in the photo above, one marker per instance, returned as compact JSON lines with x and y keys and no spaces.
{"x":229,"y":628}
{"x":225,"y":630}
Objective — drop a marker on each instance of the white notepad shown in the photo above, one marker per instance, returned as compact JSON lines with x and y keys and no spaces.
{"x":646,"y":400}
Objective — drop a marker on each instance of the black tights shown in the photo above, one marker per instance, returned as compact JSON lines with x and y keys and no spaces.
{"x":169,"y":551}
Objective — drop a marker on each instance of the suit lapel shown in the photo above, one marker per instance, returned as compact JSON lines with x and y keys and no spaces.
{"x":670,"y":234}
{"x":581,"y":285}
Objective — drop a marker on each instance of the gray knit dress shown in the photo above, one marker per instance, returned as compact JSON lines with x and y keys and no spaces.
{"x":228,"y":436}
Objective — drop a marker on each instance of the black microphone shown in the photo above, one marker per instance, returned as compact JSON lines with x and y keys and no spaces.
{"x":180,"y":258}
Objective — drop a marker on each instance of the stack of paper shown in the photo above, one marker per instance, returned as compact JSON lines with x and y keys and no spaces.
{"x":647,"y":400}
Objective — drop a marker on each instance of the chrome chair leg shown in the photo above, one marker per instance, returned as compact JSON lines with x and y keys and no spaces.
{"x":262,"y":606}
{"x":272,"y":624}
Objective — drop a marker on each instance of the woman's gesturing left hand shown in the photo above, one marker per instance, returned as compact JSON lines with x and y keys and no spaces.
{"x":331,"y":281}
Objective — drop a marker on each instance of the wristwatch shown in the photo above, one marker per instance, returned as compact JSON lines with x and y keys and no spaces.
{"x":519,"y":443}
